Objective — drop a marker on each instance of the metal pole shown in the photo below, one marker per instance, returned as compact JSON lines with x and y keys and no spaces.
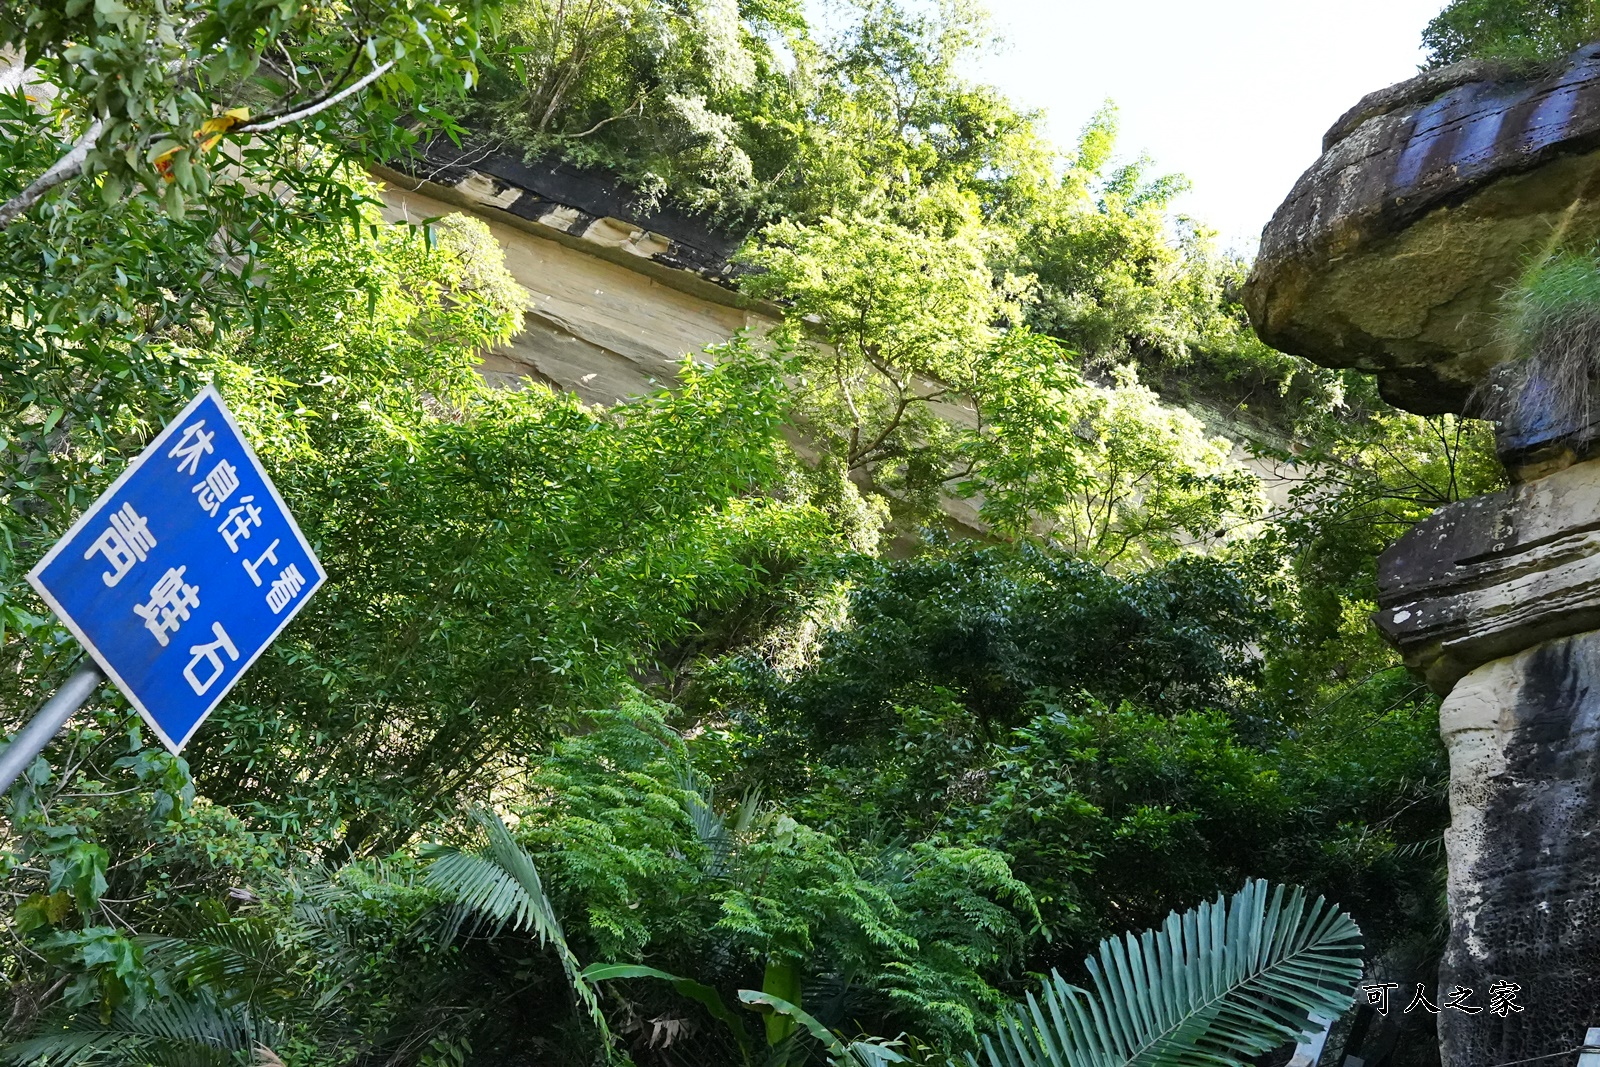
{"x":31,"y":739}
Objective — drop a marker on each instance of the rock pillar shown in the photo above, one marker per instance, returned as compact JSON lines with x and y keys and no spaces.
{"x":1496,"y":600}
{"x":1392,"y":254}
{"x":1524,"y":853}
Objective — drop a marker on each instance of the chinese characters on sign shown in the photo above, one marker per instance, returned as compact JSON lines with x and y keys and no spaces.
{"x":1502,"y":999}
{"x":183,"y":572}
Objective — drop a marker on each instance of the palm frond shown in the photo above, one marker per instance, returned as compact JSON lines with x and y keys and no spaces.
{"x":1214,"y":986}
{"x":712,"y":829}
{"x":749,"y":807}
{"x":236,"y":959}
{"x":170,"y":1033}
{"x":501,"y":884}
{"x":872,"y":1052}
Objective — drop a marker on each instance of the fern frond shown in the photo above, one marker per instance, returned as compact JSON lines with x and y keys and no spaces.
{"x":1214,"y":986}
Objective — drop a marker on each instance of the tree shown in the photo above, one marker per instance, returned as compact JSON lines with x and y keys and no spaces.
{"x":744,"y":112}
{"x":1111,"y":474}
{"x":147,"y":93}
{"x":739,"y":756}
{"x":686,"y":101}
{"x":501,"y":561}
{"x":911,"y":315}
{"x":908,"y":313}
{"x":151,"y":154}
{"x":1521,"y":32}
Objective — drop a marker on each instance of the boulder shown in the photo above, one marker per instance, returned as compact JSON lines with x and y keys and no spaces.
{"x":1391,"y":253}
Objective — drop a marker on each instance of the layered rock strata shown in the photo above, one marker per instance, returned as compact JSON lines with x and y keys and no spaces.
{"x":605,"y":316}
{"x":1496,"y":601}
{"x":616,"y":297}
{"x":1491,"y":576}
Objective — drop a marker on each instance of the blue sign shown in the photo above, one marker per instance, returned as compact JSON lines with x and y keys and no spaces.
{"x":183,"y":572}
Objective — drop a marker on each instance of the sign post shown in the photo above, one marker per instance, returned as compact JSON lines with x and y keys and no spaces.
{"x":31,"y":739}
{"x":175,"y":581}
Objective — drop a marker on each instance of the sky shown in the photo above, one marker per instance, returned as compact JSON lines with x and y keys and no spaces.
{"x":1236,"y":94}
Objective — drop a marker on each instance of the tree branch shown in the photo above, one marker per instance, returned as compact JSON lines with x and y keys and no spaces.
{"x":62,"y":170}
{"x":318,"y":106}
{"x":639,"y":103}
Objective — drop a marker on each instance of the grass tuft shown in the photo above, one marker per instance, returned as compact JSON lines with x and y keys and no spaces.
{"x":1550,"y":321}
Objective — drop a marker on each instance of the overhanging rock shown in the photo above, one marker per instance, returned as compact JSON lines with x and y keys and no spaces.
{"x":1392,"y":251}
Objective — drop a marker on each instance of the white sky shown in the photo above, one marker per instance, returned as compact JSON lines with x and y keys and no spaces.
{"x":1236,"y":94}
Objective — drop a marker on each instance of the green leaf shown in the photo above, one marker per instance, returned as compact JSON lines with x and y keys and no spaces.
{"x":112,"y":11}
{"x":688,"y":987}
{"x":502,"y":884}
{"x":1215,"y":986}
{"x":41,"y":910}
{"x":757,"y":1000}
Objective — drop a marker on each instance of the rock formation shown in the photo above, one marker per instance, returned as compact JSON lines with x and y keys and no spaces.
{"x":1391,"y":251}
{"x":616,"y":296}
{"x":1391,"y":255}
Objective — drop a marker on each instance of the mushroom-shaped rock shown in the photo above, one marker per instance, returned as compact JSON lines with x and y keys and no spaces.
{"x":1393,"y":250}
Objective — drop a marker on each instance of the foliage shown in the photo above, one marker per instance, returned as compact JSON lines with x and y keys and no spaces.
{"x":666,"y":95}
{"x":1548,"y":321}
{"x":277,"y":974}
{"x":1081,"y":724}
{"x":1521,"y":32}
{"x":142,"y":190}
{"x":446,"y":508}
{"x":866,"y":1052}
{"x":907,"y":314}
{"x":1121,"y":279}
{"x":915,"y":934}
{"x":1111,"y":474}
{"x":1219,"y":984}
{"x":739,"y":109}
{"x":1550,"y":290}
{"x":502,"y":885}
{"x":153,"y":154}
{"x":751,"y":733}
{"x":1366,"y":475}
{"x":150,"y":92}
{"x":364,"y":405}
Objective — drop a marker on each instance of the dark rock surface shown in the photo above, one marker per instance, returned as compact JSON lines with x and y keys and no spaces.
{"x":576,"y":202}
{"x":1524,"y":737}
{"x":1392,"y":251}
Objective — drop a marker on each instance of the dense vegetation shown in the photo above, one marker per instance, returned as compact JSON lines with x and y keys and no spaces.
{"x":639,"y":686}
{"x":1518,"y":32}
